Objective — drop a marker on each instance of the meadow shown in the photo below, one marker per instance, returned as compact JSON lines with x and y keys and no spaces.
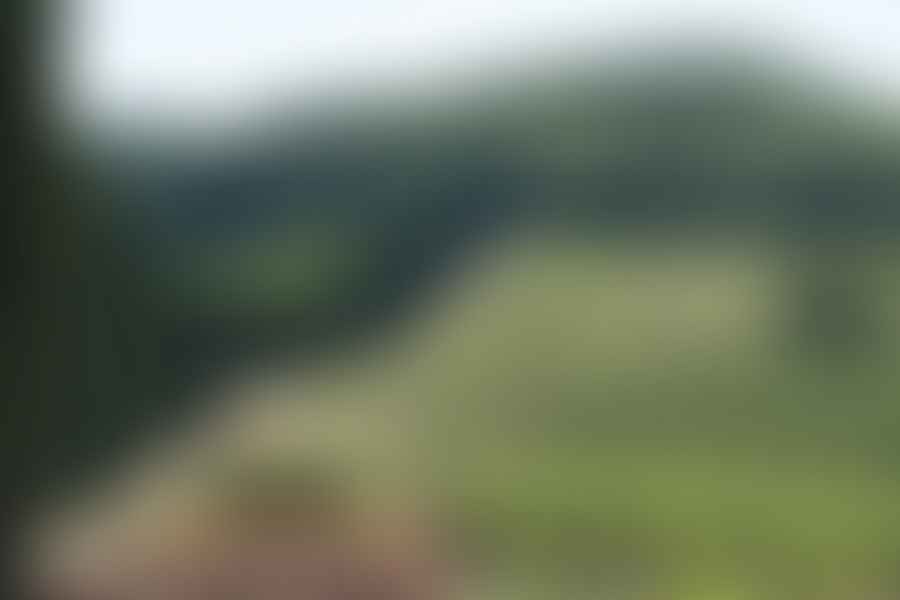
{"x":625,"y":418}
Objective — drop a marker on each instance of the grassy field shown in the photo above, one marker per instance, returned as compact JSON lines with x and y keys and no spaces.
{"x":629,"y":419}
{"x":628,"y":409}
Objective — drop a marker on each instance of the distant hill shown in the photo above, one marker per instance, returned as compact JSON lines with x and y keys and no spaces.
{"x":386,"y":193}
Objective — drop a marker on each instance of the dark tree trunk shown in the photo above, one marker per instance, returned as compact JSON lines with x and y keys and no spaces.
{"x":41,"y":263}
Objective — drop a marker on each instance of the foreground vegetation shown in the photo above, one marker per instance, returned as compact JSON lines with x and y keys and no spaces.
{"x":627,"y":419}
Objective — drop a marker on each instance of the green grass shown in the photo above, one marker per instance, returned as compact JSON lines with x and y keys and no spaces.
{"x":595,"y":405}
{"x":626,"y":419}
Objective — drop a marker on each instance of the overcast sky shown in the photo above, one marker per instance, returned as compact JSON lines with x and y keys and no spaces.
{"x":207,"y":59}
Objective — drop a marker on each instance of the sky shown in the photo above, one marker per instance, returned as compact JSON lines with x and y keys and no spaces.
{"x":208,"y":60}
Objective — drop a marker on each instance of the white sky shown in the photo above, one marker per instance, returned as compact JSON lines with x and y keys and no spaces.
{"x":205,"y":59}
